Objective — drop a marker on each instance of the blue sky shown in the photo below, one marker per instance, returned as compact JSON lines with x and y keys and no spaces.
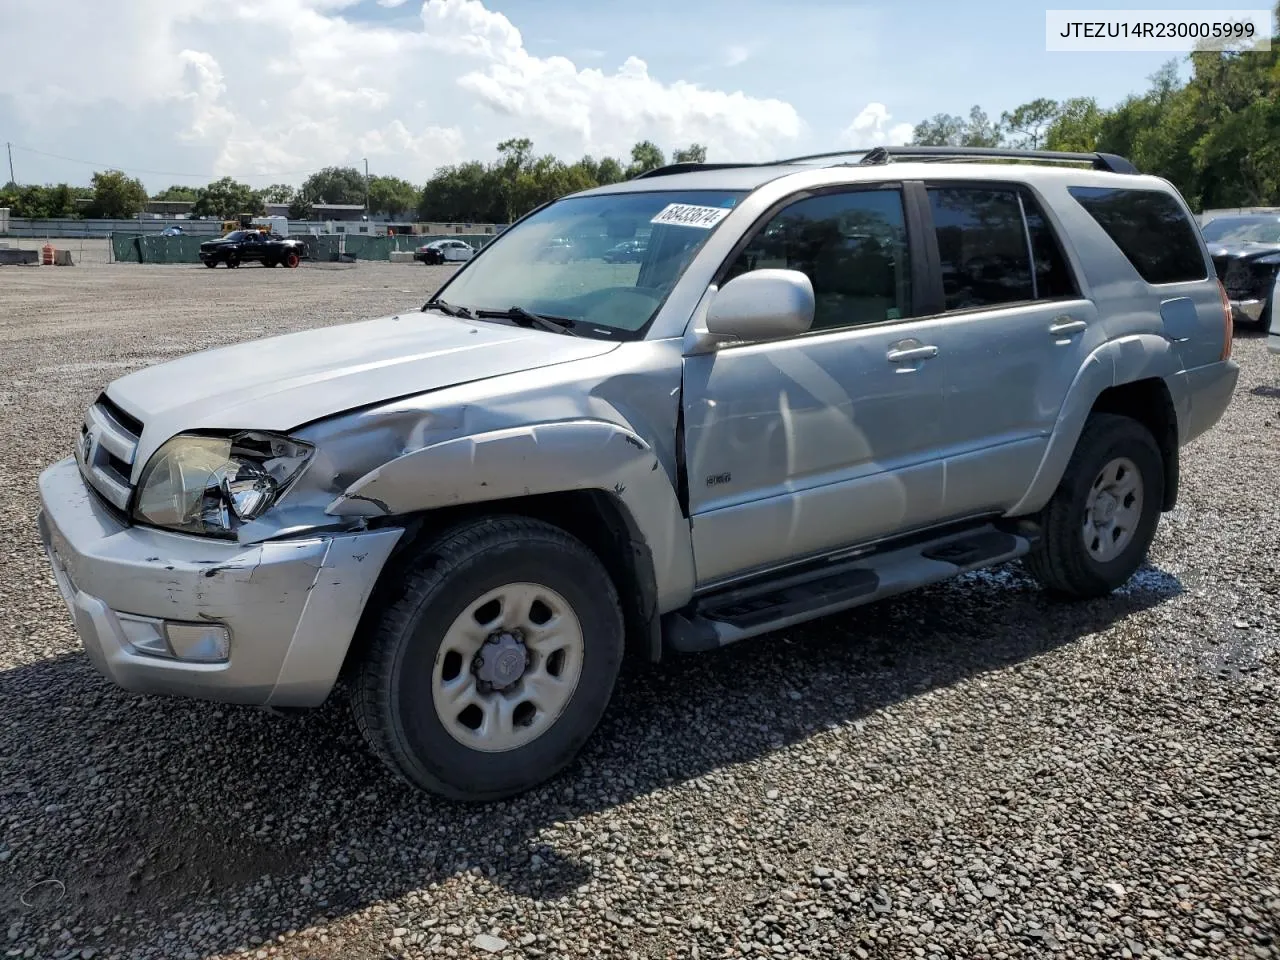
{"x":271,"y":89}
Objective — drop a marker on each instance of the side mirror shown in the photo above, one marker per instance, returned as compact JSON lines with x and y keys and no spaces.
{"x":762,"y":305}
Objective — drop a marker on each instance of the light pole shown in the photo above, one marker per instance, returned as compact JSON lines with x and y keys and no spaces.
{"x":366,"y":188}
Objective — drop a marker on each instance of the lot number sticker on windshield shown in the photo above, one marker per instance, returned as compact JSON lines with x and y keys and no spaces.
{"x":688,"y":215}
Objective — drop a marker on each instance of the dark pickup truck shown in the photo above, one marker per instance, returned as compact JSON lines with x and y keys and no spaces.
{"x":243,"y":246}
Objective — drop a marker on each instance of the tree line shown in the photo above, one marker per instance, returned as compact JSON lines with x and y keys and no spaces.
{"x":1215,"y":136}
{"x":473,"y":192}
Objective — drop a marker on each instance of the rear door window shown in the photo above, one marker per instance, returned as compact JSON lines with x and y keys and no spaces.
{"x":982,"y":245}
{"x":1150,"y":228}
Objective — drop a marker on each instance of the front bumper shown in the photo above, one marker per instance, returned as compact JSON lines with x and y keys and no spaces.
{"x":290,"y":606}
{"x":1247,"y":311}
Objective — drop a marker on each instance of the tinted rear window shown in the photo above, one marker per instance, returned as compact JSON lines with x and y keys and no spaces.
{"x":1150,"y":229}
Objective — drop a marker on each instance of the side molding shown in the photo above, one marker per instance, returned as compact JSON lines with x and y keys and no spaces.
{"x":529,"y":460}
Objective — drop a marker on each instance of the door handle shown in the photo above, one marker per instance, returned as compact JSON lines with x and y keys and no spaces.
{"x":1065,"y":327}
{"x":912,"y":353}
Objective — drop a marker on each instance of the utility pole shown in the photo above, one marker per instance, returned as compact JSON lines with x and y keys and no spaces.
{"x":366,"y":188}
{"x":9,"y":147}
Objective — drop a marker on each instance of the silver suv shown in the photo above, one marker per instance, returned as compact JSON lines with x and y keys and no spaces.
{"x":826,"y":381}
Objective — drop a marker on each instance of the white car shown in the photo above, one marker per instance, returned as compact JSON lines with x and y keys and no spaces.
{"x":444,"y":251}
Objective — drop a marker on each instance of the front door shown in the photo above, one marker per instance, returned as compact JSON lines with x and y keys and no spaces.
{"x":799,"y":447}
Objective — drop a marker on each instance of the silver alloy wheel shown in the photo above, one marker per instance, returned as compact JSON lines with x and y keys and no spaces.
{"x":507,"y":667}
{"x":1113,"y":509}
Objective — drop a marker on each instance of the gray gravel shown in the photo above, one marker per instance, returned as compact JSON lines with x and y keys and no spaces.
{"x":970,"y":771}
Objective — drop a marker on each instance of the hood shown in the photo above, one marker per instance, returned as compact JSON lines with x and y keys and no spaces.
{"x":1237,"y":250}
{"x":282,"y":382}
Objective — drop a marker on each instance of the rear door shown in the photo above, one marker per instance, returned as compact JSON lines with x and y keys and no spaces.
{"x":1018,"y":331}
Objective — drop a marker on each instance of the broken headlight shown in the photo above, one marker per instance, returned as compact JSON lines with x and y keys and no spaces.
{"x":211,"y":485}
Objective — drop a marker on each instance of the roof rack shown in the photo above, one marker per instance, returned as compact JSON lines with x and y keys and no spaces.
{"x":688,"y":166}
{"x":875,"y":155}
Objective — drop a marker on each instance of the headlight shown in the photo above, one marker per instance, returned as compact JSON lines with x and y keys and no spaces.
{"x":211,"y":485}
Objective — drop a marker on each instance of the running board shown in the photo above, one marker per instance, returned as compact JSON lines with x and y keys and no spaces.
{"x":733,"y":614}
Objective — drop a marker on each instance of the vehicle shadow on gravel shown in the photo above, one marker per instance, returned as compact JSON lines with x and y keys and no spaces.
{"x":148,"y":808}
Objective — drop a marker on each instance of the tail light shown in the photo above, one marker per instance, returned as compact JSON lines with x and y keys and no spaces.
{"x":1228,"y":326}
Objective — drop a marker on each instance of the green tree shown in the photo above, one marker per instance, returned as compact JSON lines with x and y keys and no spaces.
{"x":467,"y":193}
{"x":940,"y":130}
{"x":645,"y":156}
{"x":1076,"y":126}
{"x":694,"y":153}
{"x":227,"y":198}
{"x":392,"y":196}
{"x":1026,"y":126}
{"x":116,"y":196}
{"x":609,"y":171}
{"x":334,"y":185}
{"x":279,"y":193}
{"x":947,"y":130}
{"x":176,"y":193}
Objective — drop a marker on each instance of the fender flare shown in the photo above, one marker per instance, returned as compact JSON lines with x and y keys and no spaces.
{"x":543,"y":458}
{"x":1117,"y":362}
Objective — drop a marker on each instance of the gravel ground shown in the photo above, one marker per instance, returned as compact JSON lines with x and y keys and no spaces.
{"x":970,"y":771}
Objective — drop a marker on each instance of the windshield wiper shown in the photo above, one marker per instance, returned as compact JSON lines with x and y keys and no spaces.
{"x":526,"y":318}
{"x":448,"y":309}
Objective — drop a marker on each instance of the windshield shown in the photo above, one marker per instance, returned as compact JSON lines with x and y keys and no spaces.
{"x":1258,"y":230}
{"x":555,"y":262}
{"x":235,"y":235}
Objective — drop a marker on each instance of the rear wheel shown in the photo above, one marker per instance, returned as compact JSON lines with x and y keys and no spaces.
{"x":291,"y":259}
{"x":1098,"y":526}
{"x":494,"y":662}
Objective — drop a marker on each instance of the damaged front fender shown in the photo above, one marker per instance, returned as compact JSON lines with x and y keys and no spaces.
{"x":537,"y":459}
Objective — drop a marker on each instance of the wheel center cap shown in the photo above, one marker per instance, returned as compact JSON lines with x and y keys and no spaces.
{"x":1104,"y":509}
{"x":501,"y":661}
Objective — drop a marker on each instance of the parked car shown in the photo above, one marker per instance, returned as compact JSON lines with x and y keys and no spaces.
{"x":173,"y":231}
{"x":444,"y":251}
{"x":474,"y":511}
{"x":248,"y":246}
{"x":1246,"y":256}
{"x":628,"y":251}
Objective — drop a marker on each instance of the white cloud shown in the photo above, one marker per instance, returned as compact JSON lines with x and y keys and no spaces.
{"x":872,"y":127}
{"x":736,"y":54}
{"x":275,"y":88}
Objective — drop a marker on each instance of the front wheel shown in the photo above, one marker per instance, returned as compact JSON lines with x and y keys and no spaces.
{"x":494,"y":661}
{"x":1098,"y":526}
{"x":211,"y":263}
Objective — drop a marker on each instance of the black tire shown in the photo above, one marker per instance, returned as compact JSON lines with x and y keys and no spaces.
{"x":211,"y":263}
{"x":391,"y":695}
{"x":1061,"y":561}
{"x":232,"y":262}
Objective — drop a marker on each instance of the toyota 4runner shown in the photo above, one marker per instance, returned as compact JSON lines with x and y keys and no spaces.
{"x":826,"y":381}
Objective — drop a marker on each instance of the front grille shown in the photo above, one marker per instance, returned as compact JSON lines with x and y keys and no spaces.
{"x":106,"y":450}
